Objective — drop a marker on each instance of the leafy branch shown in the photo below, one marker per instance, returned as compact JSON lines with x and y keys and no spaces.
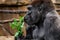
{"x":18,"y":25}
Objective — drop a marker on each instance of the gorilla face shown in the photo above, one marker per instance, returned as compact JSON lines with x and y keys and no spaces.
{"x":33,"y":15}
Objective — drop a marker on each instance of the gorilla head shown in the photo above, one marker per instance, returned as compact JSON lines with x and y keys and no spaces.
{"x":37,"y":11}
{"x":41,"y":14}
{"x":32,"y":16}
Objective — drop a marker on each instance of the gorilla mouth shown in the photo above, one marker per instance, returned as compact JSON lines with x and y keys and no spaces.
{"x":28,"y":20}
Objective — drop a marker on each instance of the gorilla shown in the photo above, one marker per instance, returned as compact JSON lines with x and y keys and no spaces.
{"x":45,"y":19}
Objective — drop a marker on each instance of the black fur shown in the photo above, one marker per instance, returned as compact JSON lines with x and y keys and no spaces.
{"x":52,"y":26}
{"x":46,"y":21}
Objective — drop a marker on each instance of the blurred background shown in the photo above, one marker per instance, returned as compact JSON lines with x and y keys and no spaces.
{"x":10,"y":9}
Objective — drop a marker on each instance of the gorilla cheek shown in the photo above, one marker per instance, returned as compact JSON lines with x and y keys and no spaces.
{"x":36,"y":19}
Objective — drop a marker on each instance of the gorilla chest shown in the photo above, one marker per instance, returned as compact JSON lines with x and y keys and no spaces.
{"x":38,"y":33}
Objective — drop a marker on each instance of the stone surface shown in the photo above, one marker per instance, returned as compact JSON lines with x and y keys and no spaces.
{"x":6,"y":37}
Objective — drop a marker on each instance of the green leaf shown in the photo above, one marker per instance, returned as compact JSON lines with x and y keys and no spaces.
{"x":12,"y":25}
{"x":22,"y":25}
{"x":16,"y":34}
{"x":18,"y":25}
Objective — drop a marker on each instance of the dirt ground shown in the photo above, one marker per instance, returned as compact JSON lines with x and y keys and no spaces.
{"x":6,"y":37}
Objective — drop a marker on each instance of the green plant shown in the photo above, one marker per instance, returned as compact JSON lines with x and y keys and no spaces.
{"x":18,"y":25}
